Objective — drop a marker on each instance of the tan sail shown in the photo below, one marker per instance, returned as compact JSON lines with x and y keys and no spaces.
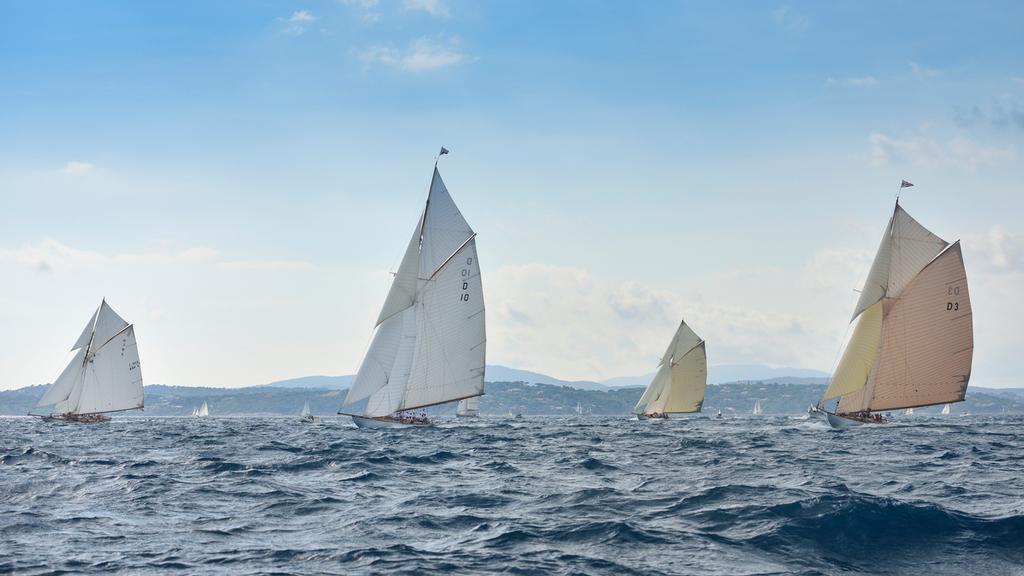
{"x":913,"y":345}
{"x":927,"y":339}
{"x":679,"y":385}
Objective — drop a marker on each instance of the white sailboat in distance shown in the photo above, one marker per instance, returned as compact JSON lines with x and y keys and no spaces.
{"x":203,"y":411}
{"x":913,"y":342}
{"x":757,"y":411}
{"x":468,"y":407}
{"x":306,"y":416}
{"x":104,"y":375}
{"x":429,"y":343}
{"x":945,"y":410}
{"x":678,"y":385}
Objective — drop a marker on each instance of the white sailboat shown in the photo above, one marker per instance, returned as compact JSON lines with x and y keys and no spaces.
{"x":678,"y":385}
{"x":757,"y":411}
{"x":307,"y":416}
{"x":203,"y":411}
{"x":468,"y":407}
{"x":908,"y":412}
{"x":104,"y":376}
{"x":945,"y":410}
{"x":430,"y":340}
{"x":195,"y":411}
{"x":913,"y":342}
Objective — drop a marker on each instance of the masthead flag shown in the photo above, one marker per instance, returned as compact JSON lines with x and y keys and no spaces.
{"x":445,"y":151}
{"x":903,"y":183}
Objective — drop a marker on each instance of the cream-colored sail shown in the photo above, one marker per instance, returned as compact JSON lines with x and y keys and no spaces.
{"x":430,"y":343}
{"x":913,"y":343}
{"x":679,"y":384}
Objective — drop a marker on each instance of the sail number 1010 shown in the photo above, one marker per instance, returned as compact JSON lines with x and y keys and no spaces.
{"x":464,"y":295}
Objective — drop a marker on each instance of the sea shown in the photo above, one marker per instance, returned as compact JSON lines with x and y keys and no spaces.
{"x":537,"y":495}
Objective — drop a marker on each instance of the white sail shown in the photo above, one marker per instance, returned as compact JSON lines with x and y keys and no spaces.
{"x":913,"y":343}
{"x":757,"y":411}
{"x":105,"y":374}
{"x":195,"y":411}
{"x":204,"y":410}
{"x":468,"y":406}
{"x":429,"y":346}
{"x":679,"y":384}
{"x":305,"y":410}
{"x":945,"y":410}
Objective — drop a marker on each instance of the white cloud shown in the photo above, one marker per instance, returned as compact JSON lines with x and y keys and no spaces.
{"x":852,"y":81}
{"x":296,"y":24}
{"x":423,"y":54}
{"x":77,"y":167}
{"x":268,"y":264}
{"x":789,"y":18}
{"x":999,"y":250}
{"x":921,"y":72}
{"x":435,"y":8}
{"x":956,"y":152}
{"x":366,"y":7}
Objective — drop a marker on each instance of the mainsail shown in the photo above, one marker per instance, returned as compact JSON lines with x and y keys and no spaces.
{"x":678,"y":385}
{"x":429,"y":344}
{"x":913,"y":341}
{"x":105,"y":374}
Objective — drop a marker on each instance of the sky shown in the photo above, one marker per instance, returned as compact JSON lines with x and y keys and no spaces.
{"x":239,"y":178}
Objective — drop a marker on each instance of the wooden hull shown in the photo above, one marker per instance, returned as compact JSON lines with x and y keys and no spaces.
{"x":385,"y":422}
{"x":652,"y":417}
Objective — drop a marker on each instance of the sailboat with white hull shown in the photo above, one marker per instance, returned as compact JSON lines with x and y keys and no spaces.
{"x":104,"y":376}
{"x":468,"y":408}
{"x":678,"y":385}
{"x":913,"y":342}
{"x":429,"y":343}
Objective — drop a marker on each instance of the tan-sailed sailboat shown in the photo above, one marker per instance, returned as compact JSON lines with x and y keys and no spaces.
{"x":430,"y":340}
{"x":913,"y":342}
{"x":678,"y":385}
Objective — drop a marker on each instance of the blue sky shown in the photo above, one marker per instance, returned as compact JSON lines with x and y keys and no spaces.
{"x":238,"y":178}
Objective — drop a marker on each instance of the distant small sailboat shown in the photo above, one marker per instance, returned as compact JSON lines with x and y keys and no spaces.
{"x":909,"y":412}
{"x":430,"y":339}
{"x":468,"y":407}
{"x":757,"y":411}
{"x":718,"y":414}
{"x":678,"y":385}
{"x":913,"y":342}
{"x":203,"y":411}
{"x":945,"y":410}
{"x":104,"y":376}
{"x":195,"y":411}
{"x":307,"y":416}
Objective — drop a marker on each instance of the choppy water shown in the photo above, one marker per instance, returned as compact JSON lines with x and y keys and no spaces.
{"x":532,"y":496}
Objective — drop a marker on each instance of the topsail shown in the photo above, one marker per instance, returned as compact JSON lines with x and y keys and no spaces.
{"x":104,"y":375}
{"x":429,"y":344}
{"x":913,"y":341}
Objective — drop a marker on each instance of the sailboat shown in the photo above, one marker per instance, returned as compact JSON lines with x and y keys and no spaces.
{"x":307,"y":416}
{"x":195,"y":411}
{"x":468,"y":407}
{"x":678,"y":385}
{"x":430,"y":340}
{"x":203,"y":411}
{"x":757,"y":411}
{"x":913,"y":342}
{"x":908,"y":412}
{"x":945,"y":410}
{"x":103,"y":376}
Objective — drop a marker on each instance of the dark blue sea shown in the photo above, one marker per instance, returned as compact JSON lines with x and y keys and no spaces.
{"x":588,"y":495}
